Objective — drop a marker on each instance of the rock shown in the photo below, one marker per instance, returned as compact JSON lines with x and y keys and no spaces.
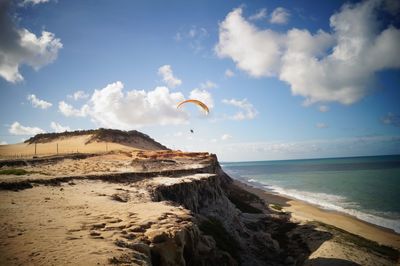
{"x":142,"y":248}
{"x":120,"y":197}
{"x":94,"y":233}
{"x":157,"y":236}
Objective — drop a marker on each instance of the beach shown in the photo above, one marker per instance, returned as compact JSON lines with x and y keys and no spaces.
{"x":304,"y":212}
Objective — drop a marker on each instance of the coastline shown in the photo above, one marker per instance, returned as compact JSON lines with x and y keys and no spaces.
{"x":304,"y":212}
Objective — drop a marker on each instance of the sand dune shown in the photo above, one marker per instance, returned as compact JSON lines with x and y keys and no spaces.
{"x":87,"y":143}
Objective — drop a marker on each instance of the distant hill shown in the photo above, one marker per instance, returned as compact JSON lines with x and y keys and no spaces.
{"x":131,"y":138}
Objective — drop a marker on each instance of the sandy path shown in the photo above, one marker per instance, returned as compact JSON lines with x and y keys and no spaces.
{"x":77,"y":223}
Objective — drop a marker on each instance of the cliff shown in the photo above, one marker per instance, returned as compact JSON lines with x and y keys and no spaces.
{"x":142,"y":208}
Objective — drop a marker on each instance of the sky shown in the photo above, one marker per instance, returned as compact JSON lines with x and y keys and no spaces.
{"x":282,"y":79}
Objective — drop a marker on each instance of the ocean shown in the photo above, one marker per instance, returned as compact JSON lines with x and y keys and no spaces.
{"x":365,"y":187}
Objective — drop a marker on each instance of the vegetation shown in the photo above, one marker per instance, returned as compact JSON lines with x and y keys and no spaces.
{"x":359,"y":241}
{"x":13,"y":172}
{"x":223,"y":239}
{"x":98,"y":134}
{"x":18,"y":171}
{"x":276,"y":207}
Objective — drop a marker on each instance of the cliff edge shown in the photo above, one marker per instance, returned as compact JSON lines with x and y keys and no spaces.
{"x":143,"y":208}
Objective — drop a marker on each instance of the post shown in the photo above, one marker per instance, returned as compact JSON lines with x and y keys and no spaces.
{"x":57,"y":148}
{"x":35,"y":148}
{"x":106,"y":146}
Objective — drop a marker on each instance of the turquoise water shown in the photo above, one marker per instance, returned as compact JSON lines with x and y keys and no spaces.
{"x":365,"y":187}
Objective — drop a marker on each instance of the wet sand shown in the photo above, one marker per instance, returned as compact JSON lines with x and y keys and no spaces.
{"x":304,"y":212}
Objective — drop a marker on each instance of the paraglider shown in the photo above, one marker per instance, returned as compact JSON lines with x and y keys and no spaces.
{"x":197,"y":102}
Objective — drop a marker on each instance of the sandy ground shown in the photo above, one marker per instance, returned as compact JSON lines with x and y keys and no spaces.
{"x":113,"y":162}
{"x":80,"y":222}
{"x":304,"y":212}
{"x":66,"y":145}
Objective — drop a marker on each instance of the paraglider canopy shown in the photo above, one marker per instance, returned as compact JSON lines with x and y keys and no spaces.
{"x":197,"y":102}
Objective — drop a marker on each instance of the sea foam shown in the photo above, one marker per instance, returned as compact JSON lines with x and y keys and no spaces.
{"x":339,"y":204}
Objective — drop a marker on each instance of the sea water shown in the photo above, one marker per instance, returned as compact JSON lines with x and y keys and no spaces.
{"x":365,"y":187}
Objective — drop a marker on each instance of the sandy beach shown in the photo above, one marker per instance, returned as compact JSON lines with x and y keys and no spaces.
{"x":304,"y":212}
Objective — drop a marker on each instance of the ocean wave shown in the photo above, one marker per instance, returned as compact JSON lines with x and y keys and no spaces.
{"x":340,"y":204}
{"x":252,"y":180}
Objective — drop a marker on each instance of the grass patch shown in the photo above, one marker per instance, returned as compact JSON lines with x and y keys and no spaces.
{"x":276,"y":207}
{"x":223,"y":239}
{"x":13,"y":172}
{"x":19,"y":172}
{"x":360,"y":241}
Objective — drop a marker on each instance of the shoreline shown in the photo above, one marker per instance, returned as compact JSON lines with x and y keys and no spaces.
{"x":302,"y":212}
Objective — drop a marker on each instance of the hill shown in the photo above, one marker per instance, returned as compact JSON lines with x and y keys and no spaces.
{"x":86,"y":141}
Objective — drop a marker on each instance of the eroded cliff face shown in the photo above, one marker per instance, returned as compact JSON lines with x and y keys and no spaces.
{"x":142,"y":208}
{"x":258,"y":235}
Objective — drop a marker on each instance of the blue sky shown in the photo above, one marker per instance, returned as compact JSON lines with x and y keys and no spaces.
{"x":283,"y":79}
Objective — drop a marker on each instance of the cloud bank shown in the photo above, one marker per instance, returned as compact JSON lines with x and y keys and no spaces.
{"x":19,"y":46}
{"x":341,"y":64}
{"x":112,"y":107}
{"x":17,"y":129}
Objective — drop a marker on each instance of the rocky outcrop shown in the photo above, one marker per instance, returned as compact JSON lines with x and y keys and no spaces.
{"x":260,"y":238}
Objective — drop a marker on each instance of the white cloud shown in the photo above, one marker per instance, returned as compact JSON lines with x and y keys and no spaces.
{"x":208,"y":85}
{"x":321,"y":125}
{"x":3,"y":142}
{"x":68,"y":110}
{"x":226,"y":137}
{"x":341,"y":65}
{"x":34,"y":2}
{"x":323,"y":108}
{"x":168,"y":77}
{"x":79,"y":95}
{"x":37,"y":103}
{"x":262,"y":13}
{"x":391,"y":119}
{"x":254,"y":51}
{"x":247,"y":110}
{"x":280,"y":16}
{"x":19,"y":46}
{"x":203,"y":96}
{"x":229,"y":73}
{"x":59,"y":128}
{"x":111,"y":107}
{"x":17,"y":129}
